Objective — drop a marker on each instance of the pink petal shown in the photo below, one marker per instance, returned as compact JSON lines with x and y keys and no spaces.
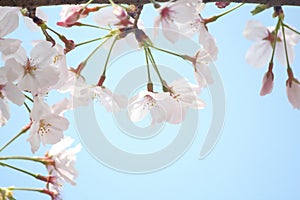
{"x":255,"y":31}
{"x":259,"y":54}
{"x":267,"y":84}
{"x":170,"y":30}
{"x":14,"y":94}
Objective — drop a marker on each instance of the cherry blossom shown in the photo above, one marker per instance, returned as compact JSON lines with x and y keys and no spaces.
{"x":179,"y":11}
{"x":161,"y":106}
{"x":111,"y":102}
{"x":48,"y":125}
{"x":85,"y":95}
{"x":9,"y":21}
{"x":64,"y":160}
{"x":35,"y":73}
{"x":114,"y":16}
{"x":293,"y":92}
{"x":8,"y":91}
{"x":198,"y":26}
{"x":70,"y":14}
{"x":260,"y":53}
{"x":186,"y":93}
{"x":201,"y":62}
{"x":267,"y":84}
{"x":82,"y":94}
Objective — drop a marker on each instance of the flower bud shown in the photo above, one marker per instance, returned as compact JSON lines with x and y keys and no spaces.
{"x":267,"y":83}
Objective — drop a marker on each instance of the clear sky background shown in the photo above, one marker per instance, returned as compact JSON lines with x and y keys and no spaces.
{"x":256,"y":158}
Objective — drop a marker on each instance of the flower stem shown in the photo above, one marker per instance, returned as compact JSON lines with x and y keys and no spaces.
{"x":89,"y":2}
{"x":24,"y":130}
{"x":90,"y":41}
{"x":35,"y":159}
{"x":214,"y":18}
{"x":287,"y":26}
{"x":275,"y":40}
{"x":27,"y":107}
{"x":148,"y":67}
{"x":53,"y":195}
{"x":52,"y":30}
{"x":93,"y":26}
{"x":18,"y":169}
{"x":27,"y":97}
{"x":96,"y":49}
{"x":163,"y":82}
{"x":166,"y":51}
{"x":285,"y":48}
{"x":108,"y":56}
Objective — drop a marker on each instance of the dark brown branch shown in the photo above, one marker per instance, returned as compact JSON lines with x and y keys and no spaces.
{"x":269,"y":2}
{"x":37,"y":3}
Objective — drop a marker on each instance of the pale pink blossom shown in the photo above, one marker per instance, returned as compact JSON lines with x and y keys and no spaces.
{"x":85,"y":95}
{"x":161,"y":106}
{"x":70,"y":14}
{"x":113,"y":16}
{"x":47,"y":125}
{"x":264,"y":37}
{"x":8,"y":91}
{"x":9,"y":21}
{"x":63,"y":160}
{"x":267,"y":84}
{"x":202,"y":73}
{"x":82,"y":94}
{"x":111,"y":102}
{"x":173,"y":13}
{"x":293,"y":93}
{"x":186,"y":94}
{"x":37,"y":72}
{"x":198,"y":26}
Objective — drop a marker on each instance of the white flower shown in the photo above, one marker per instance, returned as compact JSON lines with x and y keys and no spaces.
{"x":186,"y":93}
{"x":47,"y":126}
{"x":162,"y":107}
{"x":179,"y":11}
{"x":35,"y":73}
{"x":293,"y":92}
{"x":201,"y":62}
{"x":260,"y":53}
{"x":9,"y":21}
{"x":64,"y":160}
{"x":111,"y":102}
{"x":197,"y":25}
{"x":8,"y":91}
{"x":113,"y":16}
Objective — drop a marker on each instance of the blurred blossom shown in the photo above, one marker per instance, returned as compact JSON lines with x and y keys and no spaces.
{"x":264,"y":37}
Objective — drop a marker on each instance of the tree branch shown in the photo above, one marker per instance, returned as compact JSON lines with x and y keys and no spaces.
{"x":37,"y":3}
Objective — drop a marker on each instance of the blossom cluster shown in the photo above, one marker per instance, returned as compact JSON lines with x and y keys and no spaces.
{"x":26,"y":78}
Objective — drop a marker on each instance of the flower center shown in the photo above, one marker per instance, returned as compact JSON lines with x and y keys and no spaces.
{"x":150,"y":102}
{"x":29,"y":67}
{"x":44,"y":127}
{"x":1,"y":94}
{"x":166,"y":13}
{"x":271,"y":38}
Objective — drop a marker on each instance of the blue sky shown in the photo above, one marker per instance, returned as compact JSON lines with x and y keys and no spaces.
{"x":257,"y":156}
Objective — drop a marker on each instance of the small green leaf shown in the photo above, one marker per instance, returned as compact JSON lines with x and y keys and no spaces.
{"x":259,"y":8}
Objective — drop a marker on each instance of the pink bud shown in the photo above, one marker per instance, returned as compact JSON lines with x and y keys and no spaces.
{"x":222,"y":4}
{"x":293,"y":92}
{"x":120,"y":13}
{"x":267,"y":84}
